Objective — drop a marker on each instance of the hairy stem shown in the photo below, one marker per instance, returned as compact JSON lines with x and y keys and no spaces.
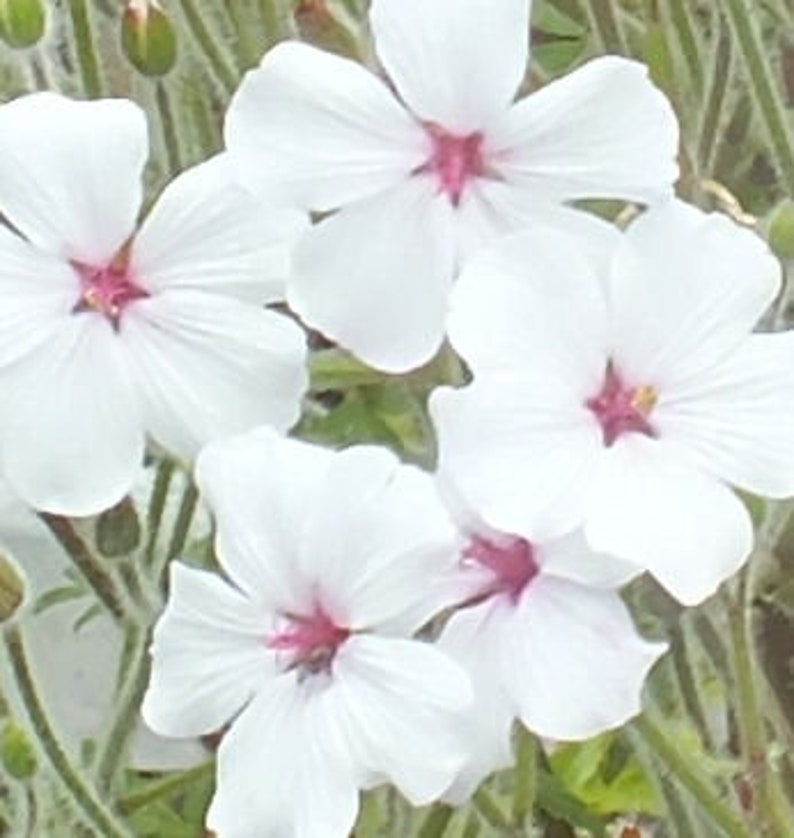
{"x":653,"y":737}
{"x":90,"y":565}
{"x":604,"y":16}
{"x":86,"y":52}
{"x":84,"y":797}
{"x":223,"y":70}
{"x":743,"y":18}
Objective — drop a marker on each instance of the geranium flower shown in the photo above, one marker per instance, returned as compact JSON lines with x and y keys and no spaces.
{"x":428,"y":172}
{"x":304,"y":650}
{"x":547,"y":640}
{"x":628,"y":402}
{"x":108,"y":334}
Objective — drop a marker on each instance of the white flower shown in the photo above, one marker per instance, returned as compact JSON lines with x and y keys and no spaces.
{"x":426,"y":176}
{"x":104,"y":337}
{"x":630,"y":402}
{"x":547,"y":640}
{"x":305,"y":650}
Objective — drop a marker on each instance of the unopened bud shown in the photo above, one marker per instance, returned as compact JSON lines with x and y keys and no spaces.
{"x":22,"y":22}
{"x":16,"y":752}
{"x":326,"y":27}
{"x":781,"y":230}
{"x":12,"y":588}
{"x":148,"y":38}
{"x":118,"y":530}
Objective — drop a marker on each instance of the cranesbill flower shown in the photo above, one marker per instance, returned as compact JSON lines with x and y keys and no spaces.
{"x":304,"y":649}
{"x":108,"y":333}
{"x":547,"y":640}
{"x":629,"y":402}
{"x":428,"y":171}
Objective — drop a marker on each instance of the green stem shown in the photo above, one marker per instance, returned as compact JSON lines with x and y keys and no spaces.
{"x":526,"y":777}
{"x":135,"y":662}
{"x":654,"y":738}
{"x":771,"y":807}
{"x":86,"y":54}
{"x":90,"y":565}
{"x":682,"y":23}
{"x":102,"y":819}
{"x":743,"y":18}
{"x":168,"y":125}
{"x":719,"y":78}
{"x":604,"y":17}
{"x":154,"y":515}
{"x":168,"y":786}
{"x":184,"y":519}
{"x":436,"y":823}
{"x":225,"y":73}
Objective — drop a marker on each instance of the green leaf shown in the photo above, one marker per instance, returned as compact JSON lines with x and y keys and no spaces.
{"x":556,"y":799}
{"x":558,"y":40}
{"x":603,"y":773}
{"x":118,"y":530}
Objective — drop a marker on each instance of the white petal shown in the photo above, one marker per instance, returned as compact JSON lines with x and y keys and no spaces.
{"x":398,"y":705}
{"x":208,"y":233}
{"x":210,"y":366}
{"x":457,"y":63}
{"x":687,"y":287}
{"x":688,"y":529}
{"x":71,"y":173}
{"x":376,"y":276}
{"x":573,"y":661}
{"x":318,"y":131}
{"x":604,"y":131}
{"x":260,"y":487}
{"x":491,"y":209}
{"x":276,"y":777}
{"x":71,"y":435}
{"x":471,"y":637}
{"x":209,"y":656}
{"x":519,"y":451}
{"x":572,"y":558}
{"x":737,"y":421}
{"x":532,"y":303}
{"x":378,"y":542}
{"x":37,"y":292}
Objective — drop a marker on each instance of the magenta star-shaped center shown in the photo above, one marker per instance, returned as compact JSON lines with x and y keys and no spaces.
{"x":455,"y":160}
{"x":107,"y":290}
{"x":310,"y":642}
{"x":621,"y":409}
{"x":510,"y":559}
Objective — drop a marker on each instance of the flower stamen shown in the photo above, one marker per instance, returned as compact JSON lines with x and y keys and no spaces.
{"x":108,"y":290}
{"x":311,"y":642}
{"x":510,"y":560}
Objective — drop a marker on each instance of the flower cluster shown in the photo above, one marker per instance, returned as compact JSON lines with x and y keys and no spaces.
{"x":370,"y":622}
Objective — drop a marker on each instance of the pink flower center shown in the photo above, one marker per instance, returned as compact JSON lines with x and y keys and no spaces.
{"x":311,"y":642}
{"x":107,"y":290}
{"x":509,"y":558}
{"x":455,"y":160}
{"x":621,"y":409}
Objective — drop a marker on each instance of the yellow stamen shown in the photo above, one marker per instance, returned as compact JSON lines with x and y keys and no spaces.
{"x":645,"y":399}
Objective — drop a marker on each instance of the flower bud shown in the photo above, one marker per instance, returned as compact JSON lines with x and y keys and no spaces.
{"x":118,"y":530}
{"x":148,"y":38}
{"x":781,"y":230}
{"x":326,"y":27}
{"x":22,"y":22}
{"x":12,"y":588}
{"x":16,"y":752}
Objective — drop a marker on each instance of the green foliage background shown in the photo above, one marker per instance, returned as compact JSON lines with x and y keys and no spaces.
{"x":712,"y":755}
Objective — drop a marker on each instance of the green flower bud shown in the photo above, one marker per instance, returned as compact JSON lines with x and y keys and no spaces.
{"x":326,"y":27}
{"x":118,"y":530}
{"x":781,"y":230}
{"x":148,"y":38}
{"x":22,"y":22}
{"x":16,"y":752}
{"x":12,"y":588}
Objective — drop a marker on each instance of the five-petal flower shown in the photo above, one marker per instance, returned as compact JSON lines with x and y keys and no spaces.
{"x":107,"y":334}
{"x":627,"y":402}
{"x":306,"y":650}
{"x":426,"y":177}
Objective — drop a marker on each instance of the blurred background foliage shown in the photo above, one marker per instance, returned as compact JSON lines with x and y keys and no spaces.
{"x":713,"y":754}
